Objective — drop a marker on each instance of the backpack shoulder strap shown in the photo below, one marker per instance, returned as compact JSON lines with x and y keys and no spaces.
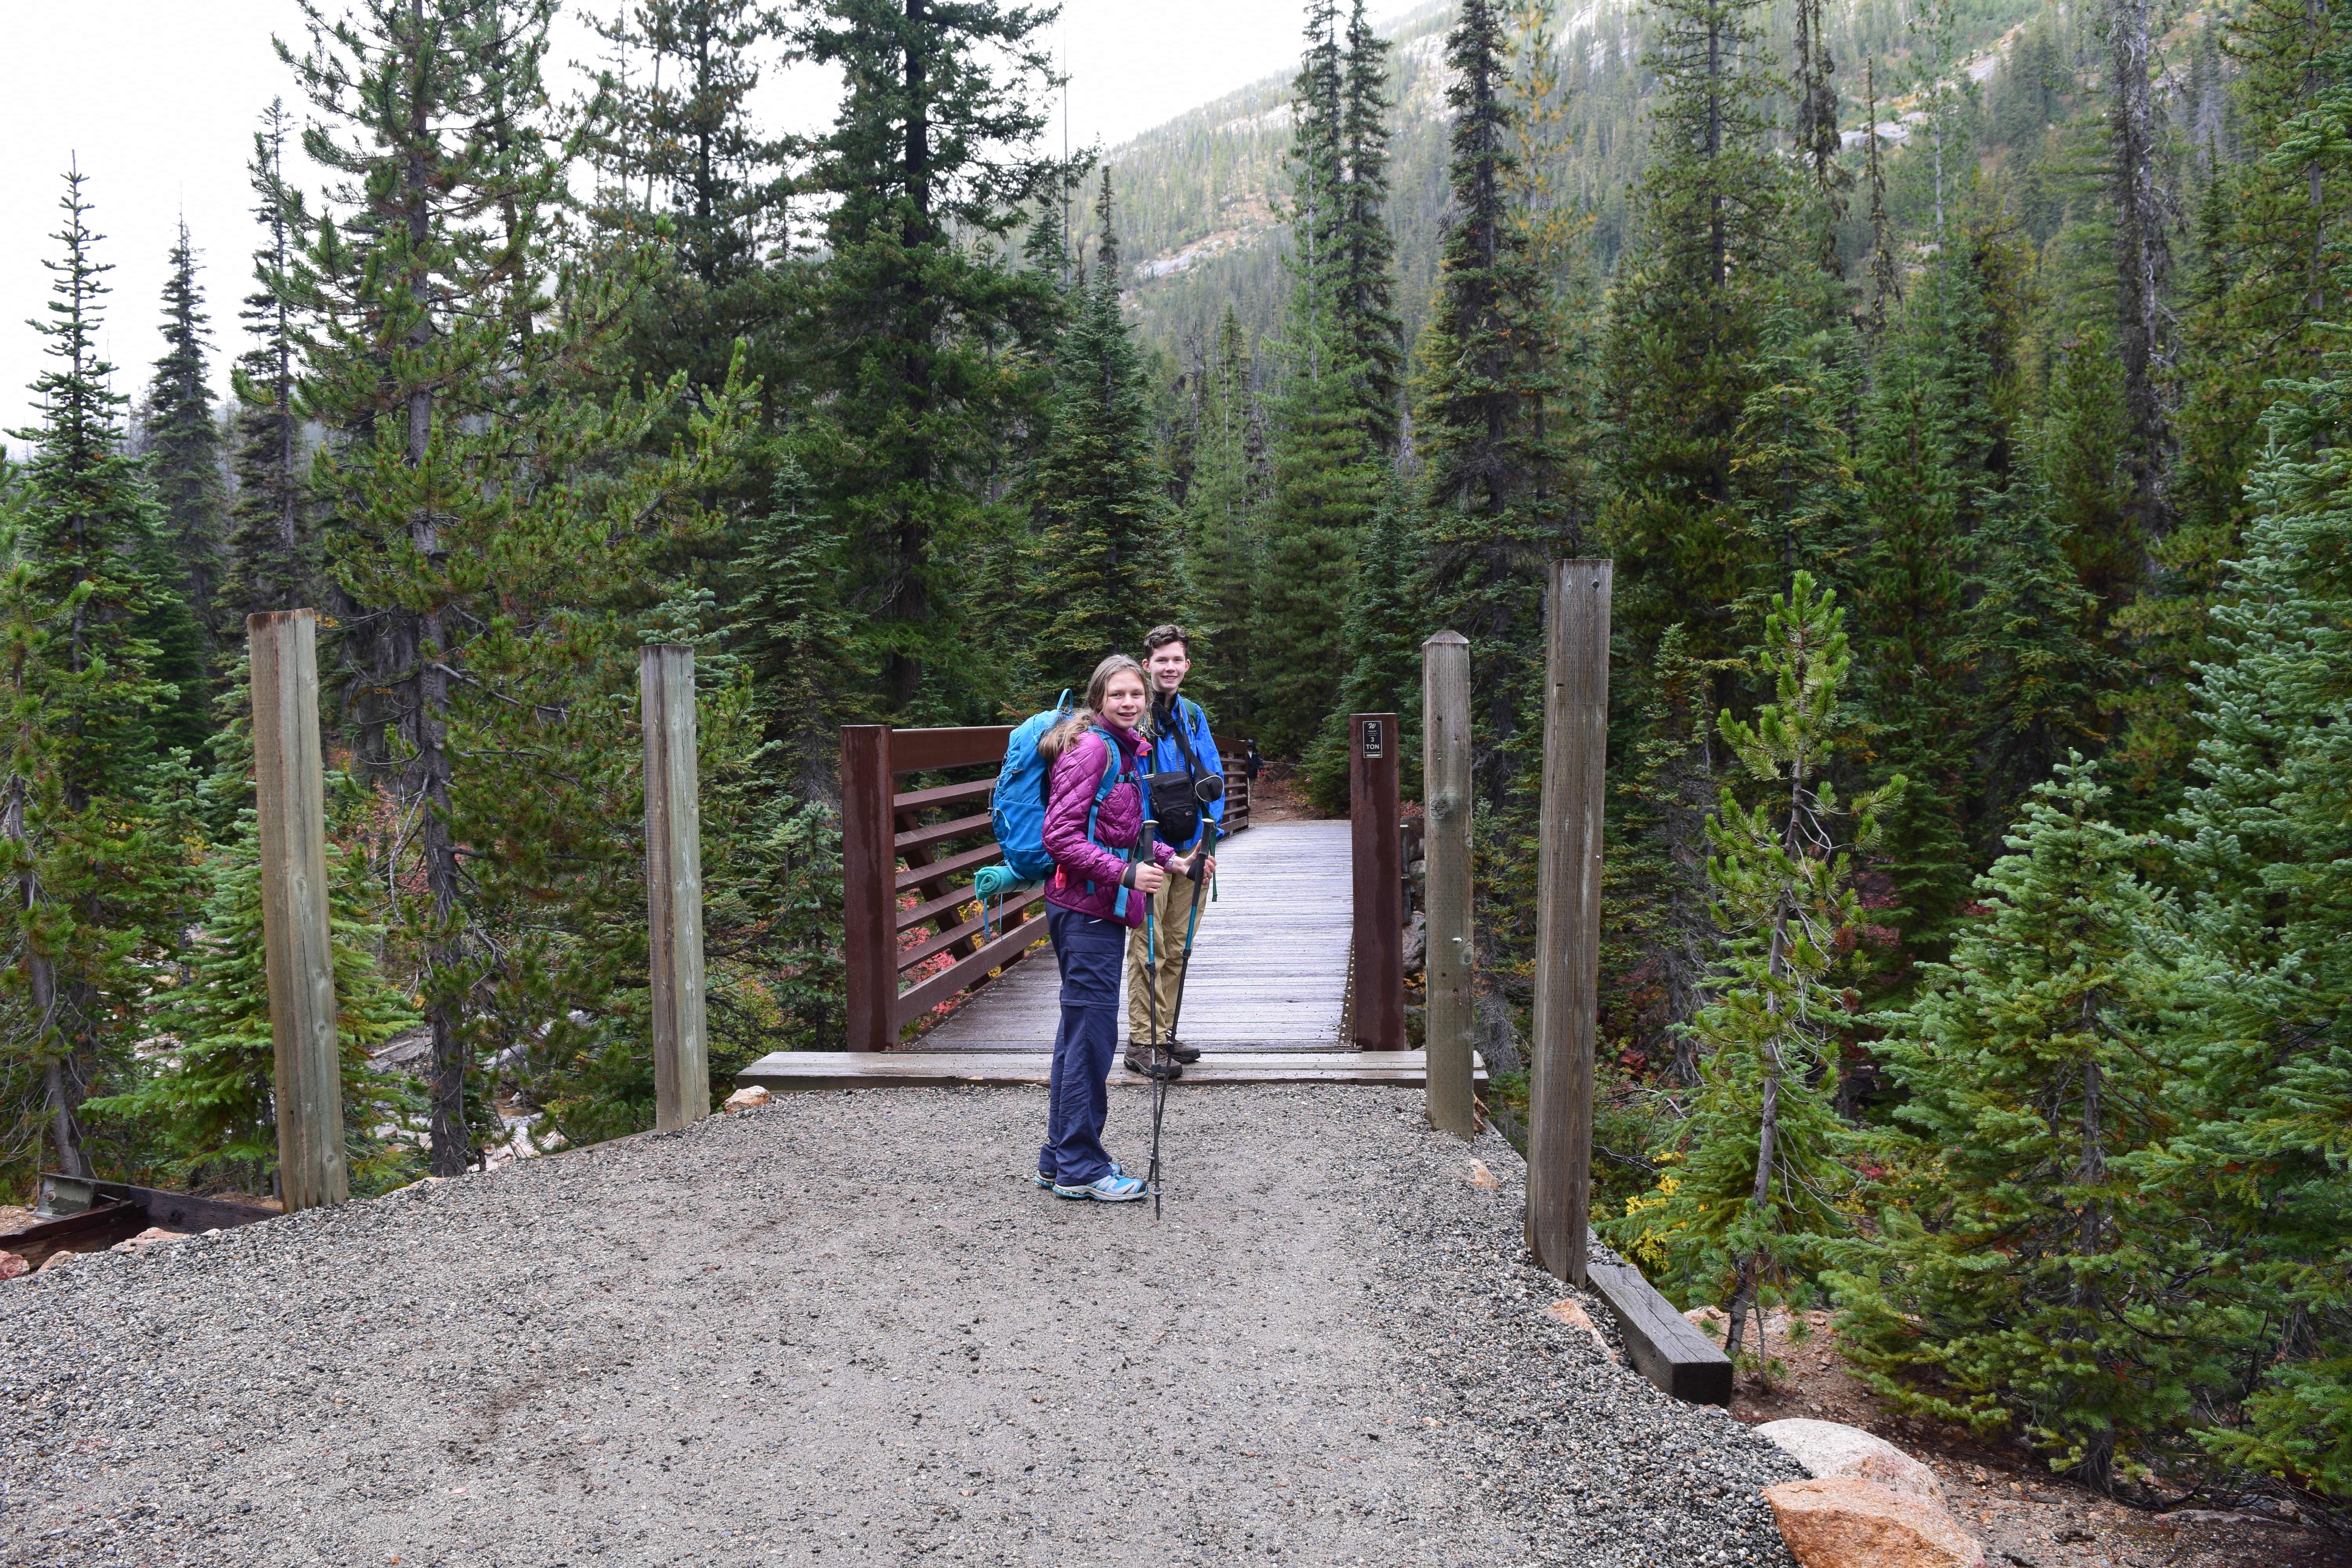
{"x":1114,"y":770}
{"x":1182,"y":735}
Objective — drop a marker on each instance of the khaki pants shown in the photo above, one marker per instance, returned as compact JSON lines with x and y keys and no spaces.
{"x":1172,"y":911}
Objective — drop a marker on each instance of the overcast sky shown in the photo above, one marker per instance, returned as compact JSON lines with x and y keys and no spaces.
{"x":158,"y":99}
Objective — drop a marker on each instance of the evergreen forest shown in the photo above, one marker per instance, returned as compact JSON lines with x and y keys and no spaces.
{"x":1962,"y":390}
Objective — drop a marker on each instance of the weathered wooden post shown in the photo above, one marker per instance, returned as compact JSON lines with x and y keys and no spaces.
{"x":1445,"y":846}
{"x":870,"y":904}
{"x":673,"y":885}
{"x":1568,"y":914}
{"x":1379,"y":1018}
{"x":290,"y":800}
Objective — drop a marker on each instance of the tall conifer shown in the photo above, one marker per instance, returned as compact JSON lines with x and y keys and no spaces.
{"x":1223,"y":523}
{"x":1493,"y":508}
{"x":1757,"y":1179}
{"x":1100,"y":521}
{"x":919,"y":324}
{"x":271,"y":554}
{"x":491,"y":531}
{"x":184,"y":459}
{"x":88,"y":822}
{"x":2038,"y":1065}
{"x":2264,"y":840}
{"x":1688,"y":313}
{"x":1372,"y":333}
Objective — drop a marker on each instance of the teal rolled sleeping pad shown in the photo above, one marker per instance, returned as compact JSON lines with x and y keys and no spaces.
{"x":995,"y":883}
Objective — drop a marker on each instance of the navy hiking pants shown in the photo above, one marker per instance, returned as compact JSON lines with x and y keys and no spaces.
{"x":1090,"y":951}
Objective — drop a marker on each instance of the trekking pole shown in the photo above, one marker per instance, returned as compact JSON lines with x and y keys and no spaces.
{"x":1208,"y":847}
{"x":1145,"y":838}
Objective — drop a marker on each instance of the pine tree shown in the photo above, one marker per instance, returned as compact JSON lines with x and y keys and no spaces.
{"x":213,"y":1109}
{"x":1100,"y":517}
{"x":1760,"y":1178}
{"x":689,"y":142}
{"x":2143,"y":263}
{"x":1371,"y":334}
{"x":1688,"y":313}
{"x":1326,"y":479}
{"x":2033,"y":1267}
{"x":1885,"y":266}
{"x":2252,"y":313}
{"x":792,"y":635}
{"x":1494,"y":508}
{"x":1382,"y":637}
{"x":270,"y":548}
{"x":1223,"y":549}
{"x":2261,"y":844}
{"x":919,"y":325}
{"x":89,"y":807}
{"x":491,"y":529}
{"x":1814,"y":90}
{"x":183,"y":447}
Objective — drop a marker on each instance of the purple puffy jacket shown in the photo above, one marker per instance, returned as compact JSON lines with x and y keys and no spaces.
{"x":1078,"y":860}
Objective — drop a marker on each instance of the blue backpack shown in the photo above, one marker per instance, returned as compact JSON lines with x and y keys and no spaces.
{"x":1018,"y":813}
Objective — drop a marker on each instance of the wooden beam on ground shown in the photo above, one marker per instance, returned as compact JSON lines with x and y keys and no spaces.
{"x":1377,"y":1017}
{"x":869,"y":900}
{"x":1568,"y":914}
{"x":673,"y":885}
{"x":1664,"y":1346}
{"x":291,"y":803}
{"x":1445,"y":847}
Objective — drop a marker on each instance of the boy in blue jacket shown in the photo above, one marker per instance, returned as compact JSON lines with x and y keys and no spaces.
{"x":1180,"y":743}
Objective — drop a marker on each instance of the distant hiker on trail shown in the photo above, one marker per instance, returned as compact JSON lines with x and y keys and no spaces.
{"x":1183,"y":755}
{"x":1090,"y":831}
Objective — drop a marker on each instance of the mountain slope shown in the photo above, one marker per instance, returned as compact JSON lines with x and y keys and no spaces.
{"x":1201,"y":197}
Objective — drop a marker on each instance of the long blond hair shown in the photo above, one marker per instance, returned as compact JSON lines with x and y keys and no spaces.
{"x":1088,"y":714}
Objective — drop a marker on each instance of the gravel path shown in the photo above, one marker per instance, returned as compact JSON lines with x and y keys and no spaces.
{"x":844,"y":1329}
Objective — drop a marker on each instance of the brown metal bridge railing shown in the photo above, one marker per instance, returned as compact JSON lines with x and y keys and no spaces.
{"x":908,"y":858}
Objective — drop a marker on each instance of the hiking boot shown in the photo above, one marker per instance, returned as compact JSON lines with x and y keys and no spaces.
{"x":1109,"y":1189}
{"x":1183,"y":1053}
{"x":1139,"y":1062}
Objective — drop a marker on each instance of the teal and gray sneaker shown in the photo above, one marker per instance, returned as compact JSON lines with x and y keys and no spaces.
{"x":1043,"y":1180}
{"x":1113,"y":1188}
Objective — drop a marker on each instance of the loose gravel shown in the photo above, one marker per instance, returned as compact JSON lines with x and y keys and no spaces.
{"x":844,"y":1329}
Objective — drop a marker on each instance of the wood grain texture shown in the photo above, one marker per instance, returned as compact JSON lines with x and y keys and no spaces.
{"x":1568,"y":914}
{"x":1445,"y":848}
{"x":674,"y":886}
{"x":290,"y":802}
{"x":870,"y":901}
{"x":1664,"y":1346}
{"x":1377,"y":1018}
{"x":1269,"y":959}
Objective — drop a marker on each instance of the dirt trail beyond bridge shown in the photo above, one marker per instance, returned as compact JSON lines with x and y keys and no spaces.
{"x":844,"y":1329}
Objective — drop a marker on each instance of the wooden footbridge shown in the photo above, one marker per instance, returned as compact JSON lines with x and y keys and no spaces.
{"x":944,"y":992}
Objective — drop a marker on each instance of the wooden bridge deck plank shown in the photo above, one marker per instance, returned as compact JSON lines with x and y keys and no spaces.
{"x":1269,"y":964}
{"x":789,"y":1070}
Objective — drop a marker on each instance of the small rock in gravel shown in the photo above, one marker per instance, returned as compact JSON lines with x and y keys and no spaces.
{"x":1847,"y":1523}
{"x":147,"y":1240}
{"x":11,"y":1266}
{"x":1571,"y":1312}
{"x":744,"y":1099}
{"x":1482,"y":1177}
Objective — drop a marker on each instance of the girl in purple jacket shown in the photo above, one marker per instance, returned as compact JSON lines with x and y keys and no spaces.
{"x":1089,"y":935}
